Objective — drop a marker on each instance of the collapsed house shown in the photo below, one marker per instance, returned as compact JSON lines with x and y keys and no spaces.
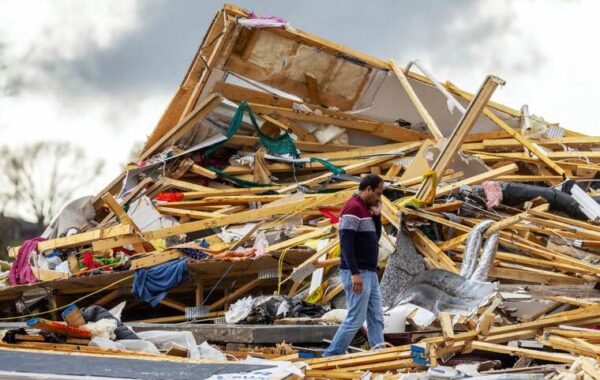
{"x":229,"y":215}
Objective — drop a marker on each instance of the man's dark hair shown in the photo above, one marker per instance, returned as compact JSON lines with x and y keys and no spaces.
{"x":370,"y":180}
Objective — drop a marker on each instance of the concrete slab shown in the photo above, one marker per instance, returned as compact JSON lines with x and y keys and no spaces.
{"x":223,"y":333}
{"x":249,"y":334}
{"x":38,"y":364}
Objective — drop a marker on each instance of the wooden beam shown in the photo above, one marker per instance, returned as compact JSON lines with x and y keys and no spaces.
{"x":431,"y":251}
{"x":184,"y":125}
{"x":446,"y":323}
{"x":340,"y":119}
{"x":155,"y":258}
{"x":455,"y":140}
{"x":173,"y":304}
{"x":116,"y":208}
{"x":429,"y":122}
{"x":517,"y":136}
{"x":305,"y":146}
{"x":313,"y":88}
{"x":108,"y":297}
{"x":247,"y":216}
{"x":85,"y":237}
{"x":353,"y":169}
{"x":200,"y":170}
{"x":477,"y":179}
{"x":523,"y":352}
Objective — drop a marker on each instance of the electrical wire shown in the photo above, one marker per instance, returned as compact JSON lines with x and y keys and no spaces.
{"x":71,"y":303}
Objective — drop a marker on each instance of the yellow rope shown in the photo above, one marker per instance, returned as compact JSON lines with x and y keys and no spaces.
{"x":429,"y":198}
{"x":69,"y":304}
{"x":280,"y":265}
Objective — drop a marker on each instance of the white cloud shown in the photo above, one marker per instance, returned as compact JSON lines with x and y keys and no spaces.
{"x":545,"y":50}
{"x":36,"y":34}
{"x":64,"y":29}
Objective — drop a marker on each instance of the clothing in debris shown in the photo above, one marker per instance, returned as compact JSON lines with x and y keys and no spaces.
{"x":262,"y":174}
{"x":153,"y":284}
{"x":95,"y":313}
{"x":20,"y":271}
{"x":360,"y":231}
{"x":266,"y":309}
{"x":361,"y":307}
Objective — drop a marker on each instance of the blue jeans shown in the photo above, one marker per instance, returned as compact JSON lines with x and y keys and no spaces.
{"x":361,"y":307}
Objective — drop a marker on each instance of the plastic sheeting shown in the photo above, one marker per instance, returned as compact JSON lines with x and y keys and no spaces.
{"x":125,"y":344}
{"x":276,"y":370}
{"x":165,"y":339}
{"x":438,"y":290}
{"x":74,"y":216}
{"x":266,"y":309}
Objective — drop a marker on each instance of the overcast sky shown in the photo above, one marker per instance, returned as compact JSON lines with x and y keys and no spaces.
{"x":99,"y":73}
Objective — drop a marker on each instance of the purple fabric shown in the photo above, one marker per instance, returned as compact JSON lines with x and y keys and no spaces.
{"x":20,"y":270}
{"x":256,"y":21}
{"x":254,"y":16}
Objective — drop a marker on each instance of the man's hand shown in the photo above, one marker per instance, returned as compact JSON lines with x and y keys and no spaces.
{"x":376,"y":210}
{"x":357,"y":284}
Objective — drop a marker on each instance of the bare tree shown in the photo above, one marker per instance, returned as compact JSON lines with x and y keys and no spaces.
{"x":43,"y":176}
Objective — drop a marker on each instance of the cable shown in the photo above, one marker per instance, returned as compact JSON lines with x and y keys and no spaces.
{"x":71,"y":303}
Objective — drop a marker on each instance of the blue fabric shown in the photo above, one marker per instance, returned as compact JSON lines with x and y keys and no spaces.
{"x":152,"y":285}
{"x":361,"y":307}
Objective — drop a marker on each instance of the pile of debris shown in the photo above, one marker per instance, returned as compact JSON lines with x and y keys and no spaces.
{"x":491,"y":237}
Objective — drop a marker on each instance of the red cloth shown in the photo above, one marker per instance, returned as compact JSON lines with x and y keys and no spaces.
{"x":328,"y":213}
{"x":89,"y":262}
{"x":169,"y":197}
{"x":20,"y":270}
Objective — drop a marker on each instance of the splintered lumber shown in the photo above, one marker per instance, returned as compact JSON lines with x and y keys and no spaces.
{"x":84,"y":237}
{"x":58,"y":328}
{"x":517,"y":136}
{"x":306,"y":146}
{"x":209,"y":192}
{"x":341,"y":119}
{"x":333,"y":374}
{"x":355,"y":168}
{"x":184,"y":125}
{"x":155,"y":258}
{"x":245,"y":216}
{"x":202,"y":171}
{"x":446,"y":323}
{"x":485,"y":322}
{"x":328,"y":94}
{"x":298,"y":239}
{"x":584,"y":314}
{"x":117,"y":209}
{"x":512,"y":242}
{"x":400,"y":353}
{"x":523,"y":352}
{"x":590,"y":369}
{"x":475,"y":180}
{"x":432,"y":252}
{"x":495,"y":227}
{"x":590,"y":335}
{"x":455,"y":140}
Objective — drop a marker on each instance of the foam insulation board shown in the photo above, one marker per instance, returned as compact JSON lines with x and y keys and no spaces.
{"x":391,"y":103}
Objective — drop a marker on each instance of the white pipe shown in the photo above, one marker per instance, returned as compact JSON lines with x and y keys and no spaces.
{"x":451,"y":102}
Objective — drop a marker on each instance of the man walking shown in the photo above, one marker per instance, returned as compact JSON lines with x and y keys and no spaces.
{"x":360,"y":230}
